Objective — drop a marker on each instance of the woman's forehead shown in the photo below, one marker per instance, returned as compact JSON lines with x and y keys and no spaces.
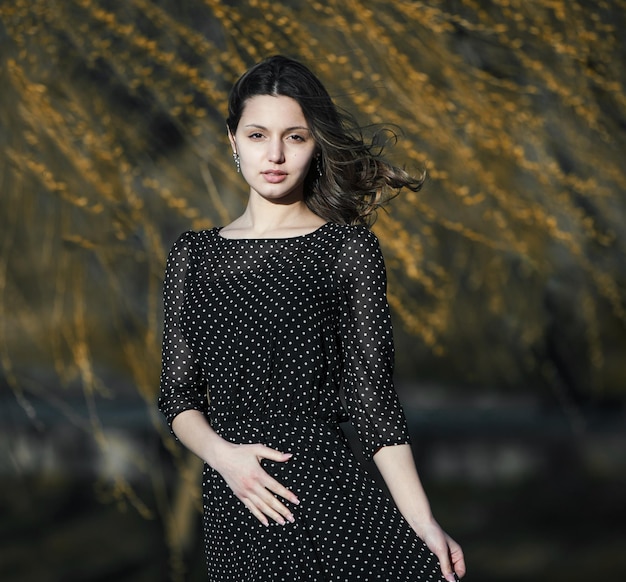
{"x":278,"y":109}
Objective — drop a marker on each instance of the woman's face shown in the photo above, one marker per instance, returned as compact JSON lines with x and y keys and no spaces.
{"x":275,"y":147}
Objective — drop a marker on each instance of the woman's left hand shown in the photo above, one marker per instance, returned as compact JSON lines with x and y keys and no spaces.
{"x":397,"y":467}
{"x":448,"y":552}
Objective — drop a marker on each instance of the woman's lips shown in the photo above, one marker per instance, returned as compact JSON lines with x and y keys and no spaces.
{"x":274,"y":176}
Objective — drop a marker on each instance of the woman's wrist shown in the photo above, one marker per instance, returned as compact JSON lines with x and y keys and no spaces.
{"x":423,"y":524}
{"x":195,"y":432}
{"x":216,"y":450}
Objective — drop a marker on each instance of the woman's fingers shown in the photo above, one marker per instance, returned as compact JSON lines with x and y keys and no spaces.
{"x":266,"y":499}
{"x":277,"y":488}
{"x":270,"y":507}
{"x":448,"y":552}
{"x":264,"y":452}
{"x":271,"y":483}
{"x":256,"y":512}
{"x":456,"y":555}
{"x":441,"y":551}
{"x":257,"y":489}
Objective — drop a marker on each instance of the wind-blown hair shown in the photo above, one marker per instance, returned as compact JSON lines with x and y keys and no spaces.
{"x":356,"y":180}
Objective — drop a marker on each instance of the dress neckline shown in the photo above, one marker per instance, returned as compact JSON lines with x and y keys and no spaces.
{"x":272,"y":239}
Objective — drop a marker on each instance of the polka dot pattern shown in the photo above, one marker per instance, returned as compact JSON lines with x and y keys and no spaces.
{"x":269,"y":338}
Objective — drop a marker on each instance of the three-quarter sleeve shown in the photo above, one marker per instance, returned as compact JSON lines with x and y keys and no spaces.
{"x":367,"y":344}
{"x":181,"y":385}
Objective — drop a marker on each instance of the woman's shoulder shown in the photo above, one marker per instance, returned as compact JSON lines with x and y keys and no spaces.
{"x":356,"y":234}
{"x":192,"y":237}
{"x":358,"y":250}
{"x":192,"y":242}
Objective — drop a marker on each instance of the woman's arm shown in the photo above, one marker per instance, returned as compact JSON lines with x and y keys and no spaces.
{"x":239,"y":465}
{"x":183,"y":402}
{"x":367,"y":380}
{"x":397,"y":467}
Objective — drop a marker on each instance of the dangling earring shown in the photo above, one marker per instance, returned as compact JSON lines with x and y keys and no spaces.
{"x":237,"y":162}
{"x":318,"y":163}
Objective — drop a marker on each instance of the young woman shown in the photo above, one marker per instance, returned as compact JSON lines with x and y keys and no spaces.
{"x":267,"y":321}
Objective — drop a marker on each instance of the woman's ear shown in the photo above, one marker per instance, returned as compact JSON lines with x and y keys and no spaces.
{"x":233,"y":143}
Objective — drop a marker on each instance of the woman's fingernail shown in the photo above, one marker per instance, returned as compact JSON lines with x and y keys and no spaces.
{"x":291,"y":518}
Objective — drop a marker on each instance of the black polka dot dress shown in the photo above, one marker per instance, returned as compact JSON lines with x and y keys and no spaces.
{"x":263,"y":336}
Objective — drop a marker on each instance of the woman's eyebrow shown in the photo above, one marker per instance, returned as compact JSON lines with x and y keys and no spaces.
{"x":294,"y":128}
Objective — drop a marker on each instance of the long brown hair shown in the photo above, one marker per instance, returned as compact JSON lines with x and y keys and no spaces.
{"x":355,"y":178}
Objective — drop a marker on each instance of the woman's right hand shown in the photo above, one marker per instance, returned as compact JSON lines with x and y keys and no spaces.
{"x":240,"y":466}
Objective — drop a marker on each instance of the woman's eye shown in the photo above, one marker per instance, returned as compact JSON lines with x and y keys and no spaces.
{"x":256,"y":135}
{"x":296,"y":137}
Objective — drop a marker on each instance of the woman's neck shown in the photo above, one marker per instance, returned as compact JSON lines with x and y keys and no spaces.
{"x":267,"y":220}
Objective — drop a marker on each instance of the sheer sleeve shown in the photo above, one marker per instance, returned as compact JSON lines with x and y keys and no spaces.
{"x":367,"y":344}
{"x":181,"y":386}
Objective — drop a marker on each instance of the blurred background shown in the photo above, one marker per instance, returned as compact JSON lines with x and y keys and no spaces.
{"x":507,"y":272}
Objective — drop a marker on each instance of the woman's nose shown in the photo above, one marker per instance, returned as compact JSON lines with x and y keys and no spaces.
{"x":276,"y":153}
